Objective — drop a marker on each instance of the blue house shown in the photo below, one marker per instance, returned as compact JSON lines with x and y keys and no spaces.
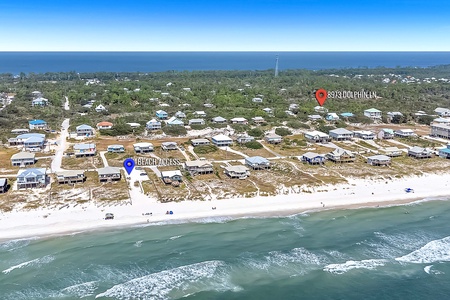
{"x":162,"y":115}
{"x":313,"y":158}
{"x":445,"y":152}
{"x":37,"y":124}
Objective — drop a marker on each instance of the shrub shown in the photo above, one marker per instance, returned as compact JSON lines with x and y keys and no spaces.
{"x":174,"y":130}
{"x":255,"y":132}
{"x":204,"y":149}
{"x":253,"y":145}
{"x":281,"y":131}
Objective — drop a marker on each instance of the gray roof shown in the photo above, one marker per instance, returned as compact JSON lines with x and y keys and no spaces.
{"x":83,"y":146}
{"x":312,"y":155}
{"x":3,"y":181}
{"x":28,"y":135}
{"x":33,"y":172}
{"x":34,"y":139}
{"x":108,"y":170}
{"x":379,"y":157}
{"x":70,"y":173}
{"x":84,"y":127}
{"x":341,"y":131}
{"x":218,"y":119}
{"x":257,"y":160}
{"x":23,"y":155}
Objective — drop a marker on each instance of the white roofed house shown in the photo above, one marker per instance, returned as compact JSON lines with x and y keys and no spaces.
{"x":443,"y":112}
{"x":313,"y":158}
{"x":317,"y":137}
{"x":314,"y":117}
{"x":218,"y":120}
{"x":268,"y":110}
{"x":153,"y":124}
{"x":171,"y":177}
{"x":30,"y":141}
{"x":340,"y":155}
{"x":440,"y":130}
{"x":197,"y":167}
{"x":3,"y":185}
{"x":258,"y":120}
{"x":341,"y":134}
{"x":273,"y":138}
{"x":257,"y":162}
{"x":200,"y":142}
{"x":84,"y":150}
{"x":109,"y":173}
{"x":100,"y":108}
{"x":180,"y":115}
{"x":143,"y":147}
{"x":169,"y":146}
{"x":240,"y":172}
{"x":116,"y":149}
{"x":221,"y":140}
{"x":239,"y":120}
{"x":332,"y":117}
{"x":39,"y":102}
{"x":392,"y":151}
{"x":404,"y":133}
{"x":32,"y":178}
{"x":200,"y":113}
{"x":196,"y":122}
{"x":257,"y":100}
{"x":373,"y":113}
{"x":419,"y":152}
{"x":161,"y":114}
{"x":379,"y":160}
{"x":174,"y":121}
{"x":84,"y":130}
{"x":70,"y":176}
{"x":391,"y":115}
{"x":385,"y":134}
{"x":23,"y":159}
{"x":365,"y":134}
{"x":242,"y":139}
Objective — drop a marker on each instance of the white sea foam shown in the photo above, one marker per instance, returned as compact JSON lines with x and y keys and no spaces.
{"x":138,"y":244}
{"x":183,"y":280}
{"x":369,"y":264}
{"x":35,"y":262}
{"x":175,"y":237}
{"x":427,"y":269}
{"x":434,"y":251}
{"x":81,"y":290}
{"x":16,"y":244}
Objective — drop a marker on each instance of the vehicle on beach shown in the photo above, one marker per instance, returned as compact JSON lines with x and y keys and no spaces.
{"x":109,"y":216}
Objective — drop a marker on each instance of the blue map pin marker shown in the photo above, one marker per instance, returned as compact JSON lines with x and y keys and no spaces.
{"x":128,"y":164}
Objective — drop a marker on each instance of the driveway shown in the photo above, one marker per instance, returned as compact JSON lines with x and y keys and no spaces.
{"x":61,"y":147}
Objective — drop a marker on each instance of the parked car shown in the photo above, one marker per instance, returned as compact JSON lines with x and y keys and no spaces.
{"x":109,"y":216}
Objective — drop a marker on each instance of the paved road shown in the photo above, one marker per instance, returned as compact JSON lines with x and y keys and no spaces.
{"x":57,"y":160}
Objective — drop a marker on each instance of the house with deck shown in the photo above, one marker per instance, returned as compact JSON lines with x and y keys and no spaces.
{"x":386,"y":134}
{"x":100,"y":108}
{"x":84,"y":130}
{"x":257,"y":162}
{"x":20,"y":131}
{"x":81,"y":150}
{"x":258,"y":120}
{"x":273,"y":138}
{"x":115,"y":149}
{"x":196,"y":122}
{"x":445,"y":152}
{"x":331,"y":117}
{"x":392,"y":151}
{"x":219,"y":120}
{"x":373,"y":113}
{"x":37,"y":125}
{"x":174,"y":121}
{"x":442,"y":112}
{"x":143,"y":147}
{"x":161,"y":114}
{"x":340,"y":155}
{"x":3,"y":185}
{"x":39,"y":102}
{"x":243,"y":138}
{"x":153,"y":124}
{"x":200,"y":142}
{"x":313,"y":158}
{"x":167,"y":146}
{"x":239,"y":120}
{"x":379,"y":160}
{"x":200,"y":113}
{"x":169,"y":177}
{"x":70,"y":176}
{"x":109,"y":174}
{"x":30,"y":141}
{"x":198,"y":167}
{"x":364,"y":134}
{"x":221,"y":140}
{"x":23,"y":158}
{"x":440,"y":130}
{"x":419,"y":152}
{"x":180,"y":115}
{"x":341,"y":134}
{"x":32,"y":178}
{"x":240,"y":172}
{"x":104,"y":125}
{"x":317,"y":137}
{"x":404,"y":133}
{"x":314,"y":117}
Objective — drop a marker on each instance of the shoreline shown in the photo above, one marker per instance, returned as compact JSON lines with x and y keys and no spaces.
{"x":357,"y":194}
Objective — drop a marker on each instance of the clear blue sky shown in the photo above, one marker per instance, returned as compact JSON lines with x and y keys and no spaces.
{"x":228,"y":25}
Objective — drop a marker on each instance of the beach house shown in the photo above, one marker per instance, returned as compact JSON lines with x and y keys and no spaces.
{"x":314,"y":117}
{"x":258,"y":120}
{"x":199,"y":113}
{"x":392,"y":151}
{"x":445,"y":152}
{"x":84,"y":130}
{"x":219,"y":120}
{"x":30,"y":141}
{"x":3,"y":185}
{"x":84,"y":150}
{"x":23,"y":159}
{"x":100,"y":108}
{"x":364,"y":134}
{"x":332,"y":117}
{"x":440,"y":130}
{"x":104,"y":125}
{"x":37,"y":124}
{"x":32,"y":178}
{"x":404,"y":133}
{"x":419,"y":152}
{"x":317,"y":137}
{"x":153,"y":124}
{"x":385,"y":134}
{"x":257,"y":163}
{"x":273,"y":138}
{"x":240,"y":172}
{"x":340,"y":155}
{"x":115,"y":149}
{"x":70,"y":176}
{"x":143,"y":147}
{"x":268,"y":110}
{"x":196,"y":122}
{"x":161,"y":114}
{"x":239,"y":120}
{"x":169,"y":177}
{"x":341,"y":134}
{"x":39,"y":102}
{"x":174,"y":121}
{"x":200,"y":142}
{"x":442,"y":112}
{"x":221,"y":140}
{"x":198,"y":167}
{"x":180,"y":115}
{"x":243,"y":138}
{"x":169,"y":146}
{"x":109,"y":174}
{"x":379,"y":160}
{"x":313,"y":158}
{"x":372,"y":113}
{"x":257,"y":100}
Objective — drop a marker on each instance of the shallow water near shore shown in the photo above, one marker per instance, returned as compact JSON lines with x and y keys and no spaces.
{"x":400,"y":252}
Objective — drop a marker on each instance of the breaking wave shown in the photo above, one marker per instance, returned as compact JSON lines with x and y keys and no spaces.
{"x":434,"y":251}
{"x":369,"y":264}
{"x":35,"y":262}
{"x":81,"y":290}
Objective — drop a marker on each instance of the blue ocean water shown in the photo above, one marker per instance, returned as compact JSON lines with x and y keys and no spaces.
{"x":398,"y":252}
{"x":42,"y":62}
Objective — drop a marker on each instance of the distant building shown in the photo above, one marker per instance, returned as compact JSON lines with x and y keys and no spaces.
{"x":240,"y":172}
{"x":258,"y":120}
{"x":218,"y":120}
{"x":84,"y":150}
{"x":239,"y":121}
{"x":257,"y":162}
{"x":340,"y":155}
{"x":109,"y":174}
{"x":161,"y":114}
{"x":440,"y":130}
{"x":39,"y":102}
{"x":198,"y":167}
{"x":23,"y":159}
{"x":314,"y":117}
{"x":317,"y":137}
{"x":104,"y":125}
{"x":174,"y":121}
{"x":221,"y":140}
{"x":332,"y":117}
{"x":153,"y":124}
{"x":373,"y":113}
{"x":30,"y":141}
{"x":180,"y":115}
{"x":143,"y":147}
{"x":100,"y":108}
{"x":116,"y":149}
{"x":273,"y":138}
{"x":37,"y":124}
{"x":200,"y":142}
{"x":85,"y":130}
{"x":419,"y":152}
{"x":392,"y":151}
{"x":257,"y":100}
{"x":404,"y":133}
{"x":445,"y":152}
{"x":196,"y":122}
{"x":386,"y":134}
{"x":364,"y":134}
{"x":313,"y":158}
{"x":169,"y":146}
{"x":379,"y":160}
{"x":200,"y":113}
{"x":70,"y":177}
{"x":168,"y":177}
{"x":242,"y":139}
{"x":3,"y":185}
{"x":341,"y":134}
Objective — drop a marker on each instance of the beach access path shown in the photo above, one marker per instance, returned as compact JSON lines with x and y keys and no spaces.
{"x":61,"y":147}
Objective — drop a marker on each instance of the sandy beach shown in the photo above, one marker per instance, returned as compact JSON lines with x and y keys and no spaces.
{"x":355,"y":194}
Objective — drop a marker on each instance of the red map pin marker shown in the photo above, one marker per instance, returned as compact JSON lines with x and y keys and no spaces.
{"x":321,"y":96}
